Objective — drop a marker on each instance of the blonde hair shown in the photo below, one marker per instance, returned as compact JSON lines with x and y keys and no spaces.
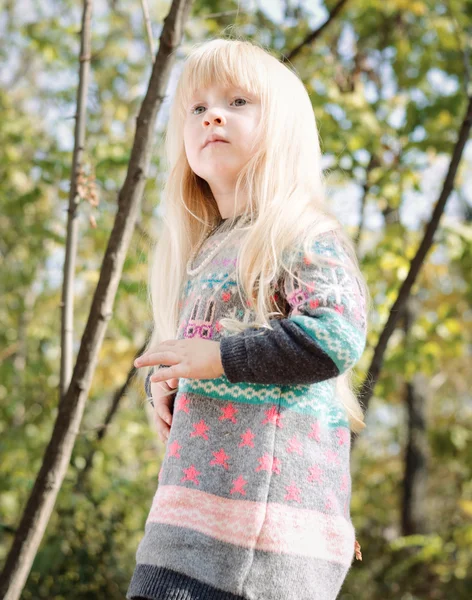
{"x":283,"y":180}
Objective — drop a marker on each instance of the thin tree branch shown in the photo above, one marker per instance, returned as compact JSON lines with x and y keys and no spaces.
{"x":311,"y":37}
{"x":226,"y":13}
{"x":67,"y":302}
{"x":147,"y":25}
{"x":373,"y":162}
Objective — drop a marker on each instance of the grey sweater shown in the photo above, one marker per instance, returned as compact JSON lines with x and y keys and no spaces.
{"x":253,"y":499}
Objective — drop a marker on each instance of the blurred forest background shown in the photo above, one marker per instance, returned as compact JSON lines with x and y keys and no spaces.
{"x":390,"y":83}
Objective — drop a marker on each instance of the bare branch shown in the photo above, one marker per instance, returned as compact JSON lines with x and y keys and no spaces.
{"x":147,"y":24}
{"x":226,"y":13}
{"x":311,"y":37}
{"x":67,"y":302}
{"x":373,"y":162}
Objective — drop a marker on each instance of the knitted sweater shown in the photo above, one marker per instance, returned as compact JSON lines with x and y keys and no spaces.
{"x":253,"y":497}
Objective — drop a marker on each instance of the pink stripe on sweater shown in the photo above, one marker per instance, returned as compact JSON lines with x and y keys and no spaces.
{"x":271,"y":527}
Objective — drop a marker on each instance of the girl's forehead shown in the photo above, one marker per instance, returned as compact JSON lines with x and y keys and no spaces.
{"x":201,"y":79}
{"x":239,"y":66}
{"x":218,"y":88}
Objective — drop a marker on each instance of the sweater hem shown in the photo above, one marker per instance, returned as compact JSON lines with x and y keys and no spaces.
{"x":158,"y":583}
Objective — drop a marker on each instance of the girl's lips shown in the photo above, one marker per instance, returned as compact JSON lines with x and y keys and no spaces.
{"x":216,"y":142}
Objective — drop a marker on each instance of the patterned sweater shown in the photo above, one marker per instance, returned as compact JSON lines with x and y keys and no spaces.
{"x":253,"y":497}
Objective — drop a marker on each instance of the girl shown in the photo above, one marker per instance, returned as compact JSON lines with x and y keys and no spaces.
{"x":260,"y":313}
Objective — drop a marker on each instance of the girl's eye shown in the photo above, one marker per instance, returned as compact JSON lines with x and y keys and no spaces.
{"x":235,"y":100}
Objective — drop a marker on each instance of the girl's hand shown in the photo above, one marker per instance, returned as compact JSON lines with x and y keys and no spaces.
{"x":192,"y":358}
{"x":163,"y":397}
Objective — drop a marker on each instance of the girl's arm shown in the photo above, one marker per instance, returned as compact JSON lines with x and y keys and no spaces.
{"x":323,"y":335}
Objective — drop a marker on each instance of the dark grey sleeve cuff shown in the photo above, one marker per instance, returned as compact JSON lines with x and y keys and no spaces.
{"x":147,"y":383}
{"x":285,"y":355}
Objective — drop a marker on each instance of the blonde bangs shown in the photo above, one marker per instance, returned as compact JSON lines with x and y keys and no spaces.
{"x":239,"y":65}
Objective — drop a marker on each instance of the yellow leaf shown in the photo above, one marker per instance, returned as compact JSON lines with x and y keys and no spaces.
{"x":432,"y":348}
{"x":418,"y":8}
{"x":444,"y":118}
{"x":453,"y":325}
{"x":122,"y":113}
{"x":466,"y":506}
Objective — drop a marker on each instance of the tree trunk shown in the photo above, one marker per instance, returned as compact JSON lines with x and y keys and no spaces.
{"x":414,"y":513}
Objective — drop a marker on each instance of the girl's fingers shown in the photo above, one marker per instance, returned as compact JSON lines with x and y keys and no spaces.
{"x":163,"y":429}
{"x":173,"y":383}
{"x":163,"y":403}
{"x":165,"y":414}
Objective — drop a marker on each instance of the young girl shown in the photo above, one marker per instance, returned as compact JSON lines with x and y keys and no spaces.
{"x":260,"y":313}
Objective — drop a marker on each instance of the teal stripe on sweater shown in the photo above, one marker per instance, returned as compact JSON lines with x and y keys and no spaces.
{"x":335,"y":335}
{"x":317,"y":400}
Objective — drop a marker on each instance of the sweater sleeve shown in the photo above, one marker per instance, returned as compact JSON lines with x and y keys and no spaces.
{"x":323,"y":335}
{"x":147,"y":383}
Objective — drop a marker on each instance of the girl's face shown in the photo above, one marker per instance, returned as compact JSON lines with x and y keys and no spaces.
{"x":229,"y":113}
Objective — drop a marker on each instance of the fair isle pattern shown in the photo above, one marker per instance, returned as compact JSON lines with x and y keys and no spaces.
{"x":332,"y":286}
{"x":341,"y":341}
{"x":253,"y":494}
{"x":317,"y":399}
{"x":270,"y":527}
{"x":328,"y":304}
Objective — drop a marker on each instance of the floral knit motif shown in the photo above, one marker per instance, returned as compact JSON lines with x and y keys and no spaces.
{"x":253,"y":496}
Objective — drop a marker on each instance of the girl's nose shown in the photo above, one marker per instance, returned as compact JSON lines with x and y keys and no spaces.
{"x":214,"y":117}
{"x":215,"y":120}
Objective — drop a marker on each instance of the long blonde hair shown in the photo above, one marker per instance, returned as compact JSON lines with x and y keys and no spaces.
{"x":283,"y":180}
